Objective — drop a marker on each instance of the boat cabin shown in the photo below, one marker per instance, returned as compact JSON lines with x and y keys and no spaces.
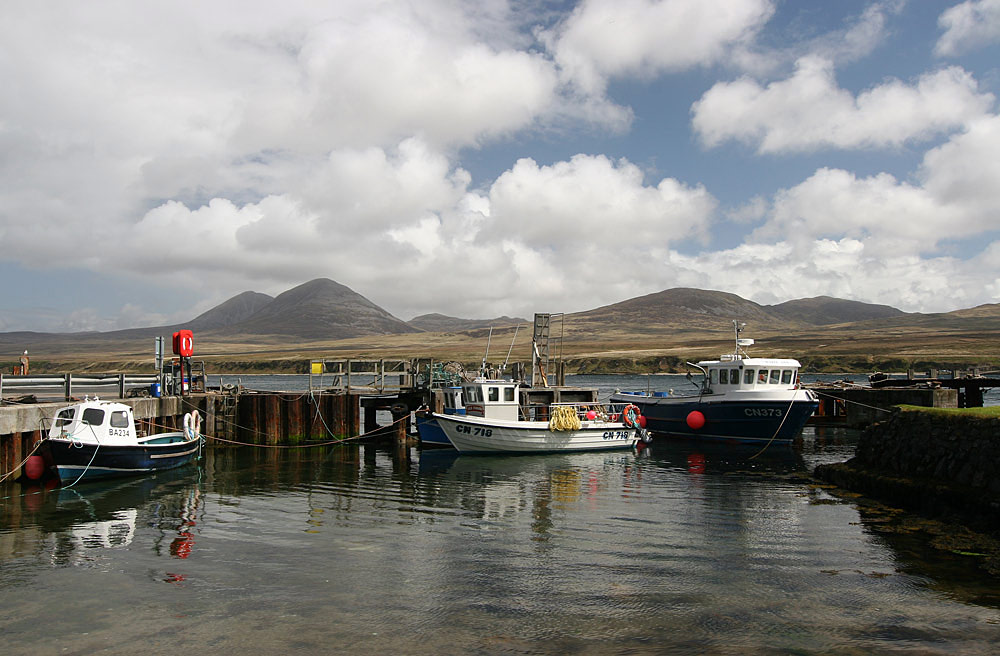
{"x":491,"y":399}
{"x":745,"y":374}
{"x":452,"y":400}
{"x":95,"y":421}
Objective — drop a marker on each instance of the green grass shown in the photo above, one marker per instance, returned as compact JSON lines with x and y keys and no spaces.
{"x":991,"y":412}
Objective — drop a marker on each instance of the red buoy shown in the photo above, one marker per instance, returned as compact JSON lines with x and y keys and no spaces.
{"x":642,"y":421}
{"x":695,"y":420}
{"x":34,"y":468}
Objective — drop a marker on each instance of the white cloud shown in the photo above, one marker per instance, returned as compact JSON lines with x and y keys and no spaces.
{"x":257,"y":148}
{"x":809,"y":111}
{"x":770,"y":273}
{"x":856,"y":39}
{"x":109,"y":110}
{"x":967,"y":26}
{"x":610,"y":38}
{"x":957,"y":199}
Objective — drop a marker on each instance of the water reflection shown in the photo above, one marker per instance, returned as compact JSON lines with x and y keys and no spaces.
{"x":76,"y":526}
{"x":682,"y":547}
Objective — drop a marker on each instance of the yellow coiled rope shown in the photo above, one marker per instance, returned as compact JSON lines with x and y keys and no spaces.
{"x":564,"y":418}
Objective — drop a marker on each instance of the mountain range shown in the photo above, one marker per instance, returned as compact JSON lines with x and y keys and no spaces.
{"x":323,"y":311}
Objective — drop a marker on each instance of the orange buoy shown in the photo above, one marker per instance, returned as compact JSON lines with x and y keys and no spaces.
{"x":695,"y":419}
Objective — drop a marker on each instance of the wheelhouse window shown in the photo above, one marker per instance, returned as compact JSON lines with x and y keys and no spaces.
{"x":508,"y":394}
{"x":494,"y":394}
{"x":786,"y":376}
{"x":762,"y":376}
{"x":734,"y":376}
{"x":64,"y":417}
{"x":713,"y":376}
{"x":775,"y":376}
{"x":723,"y":376}
{"x":93,"y":416}
{"x":119,"y":419}
{"x":748,"y":376}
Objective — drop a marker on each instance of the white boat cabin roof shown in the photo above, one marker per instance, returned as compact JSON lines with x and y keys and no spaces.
{"x":750,"y":373}
{"x":492,"y":399}
{"x":729,"y":361}
{"x":94,"y":421}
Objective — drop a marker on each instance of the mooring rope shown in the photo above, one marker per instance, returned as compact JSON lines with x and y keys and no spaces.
{"x":21,"y":464}
{"x":380,"y":429}
{"x":783,"y":418}
{"x":326,"y":427}
{"x":837,"y":398}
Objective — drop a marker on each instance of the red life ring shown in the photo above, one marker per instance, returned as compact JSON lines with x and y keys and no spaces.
{"x":630,"y":416}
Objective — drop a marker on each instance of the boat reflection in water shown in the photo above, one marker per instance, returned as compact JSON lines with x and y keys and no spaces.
{"x":71,"y":525}
{"x":681,"y":548}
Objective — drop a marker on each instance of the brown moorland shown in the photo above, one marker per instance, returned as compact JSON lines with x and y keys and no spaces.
{"x":254,"y":333}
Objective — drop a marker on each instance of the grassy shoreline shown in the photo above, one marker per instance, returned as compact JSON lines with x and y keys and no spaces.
{"x":574,"y":365}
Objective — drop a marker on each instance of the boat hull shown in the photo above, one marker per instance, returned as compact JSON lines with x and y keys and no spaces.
{"x":78,"y":461}
{"x":748,"y":421}
{"x":477,"y":435}
{"x":430,"y":431}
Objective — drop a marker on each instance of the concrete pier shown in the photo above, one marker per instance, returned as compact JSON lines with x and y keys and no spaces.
{"x":265,"y":418}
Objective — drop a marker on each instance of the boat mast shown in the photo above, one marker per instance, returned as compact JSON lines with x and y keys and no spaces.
{"x":507,"y":359}
{"x":740,"y":343}
{"x":482,"y":368}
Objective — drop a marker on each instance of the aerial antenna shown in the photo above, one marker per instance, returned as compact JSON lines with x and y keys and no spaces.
{"x":507,"y":359}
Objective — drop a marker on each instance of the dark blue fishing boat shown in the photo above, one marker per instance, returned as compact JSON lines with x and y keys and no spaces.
{"x":97,"y":439}
{"x":739,"y":398}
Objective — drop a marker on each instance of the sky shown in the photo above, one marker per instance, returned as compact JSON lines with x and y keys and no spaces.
{"x":494,"y":157}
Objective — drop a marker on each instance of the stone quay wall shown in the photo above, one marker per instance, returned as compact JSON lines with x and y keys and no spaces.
{"x":939,"y":464}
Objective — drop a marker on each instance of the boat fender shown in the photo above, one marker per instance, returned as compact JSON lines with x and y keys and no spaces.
{"x":34,"y":468}
{"x":695,"y":420}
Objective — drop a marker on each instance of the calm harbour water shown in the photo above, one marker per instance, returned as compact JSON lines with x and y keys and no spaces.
{"x":680,"y":548}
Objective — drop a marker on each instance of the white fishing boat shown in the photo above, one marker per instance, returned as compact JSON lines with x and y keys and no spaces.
{"x":739,"y":398}
{"x":496,"y":422}
{"x":98,"y":439}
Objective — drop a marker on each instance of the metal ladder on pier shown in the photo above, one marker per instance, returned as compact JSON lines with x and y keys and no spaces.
{"x":225,"y":412}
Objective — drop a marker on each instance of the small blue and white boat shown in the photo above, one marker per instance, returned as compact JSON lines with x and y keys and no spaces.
{"x":97,"y":439}
{"x":427,"y":426}
{"x":739,"y":398}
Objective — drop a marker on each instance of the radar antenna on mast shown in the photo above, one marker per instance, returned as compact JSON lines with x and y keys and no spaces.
{"x":741,"y":342}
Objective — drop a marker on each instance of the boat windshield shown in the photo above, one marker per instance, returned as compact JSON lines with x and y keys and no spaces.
{"x":93,"y":416}
{"x":65,"y":417}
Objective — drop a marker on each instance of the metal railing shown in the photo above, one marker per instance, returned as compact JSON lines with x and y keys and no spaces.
{"x":363,"y":376}
{"x":65,"y":386}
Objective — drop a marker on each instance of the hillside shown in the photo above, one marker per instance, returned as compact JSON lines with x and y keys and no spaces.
{"x":440,"y":323}
{"x":678,"y":309}
{"x":238,"y":308}
{"x":321,"y":309}
{"x":826,"y":310}
{"x":655,"y":332}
